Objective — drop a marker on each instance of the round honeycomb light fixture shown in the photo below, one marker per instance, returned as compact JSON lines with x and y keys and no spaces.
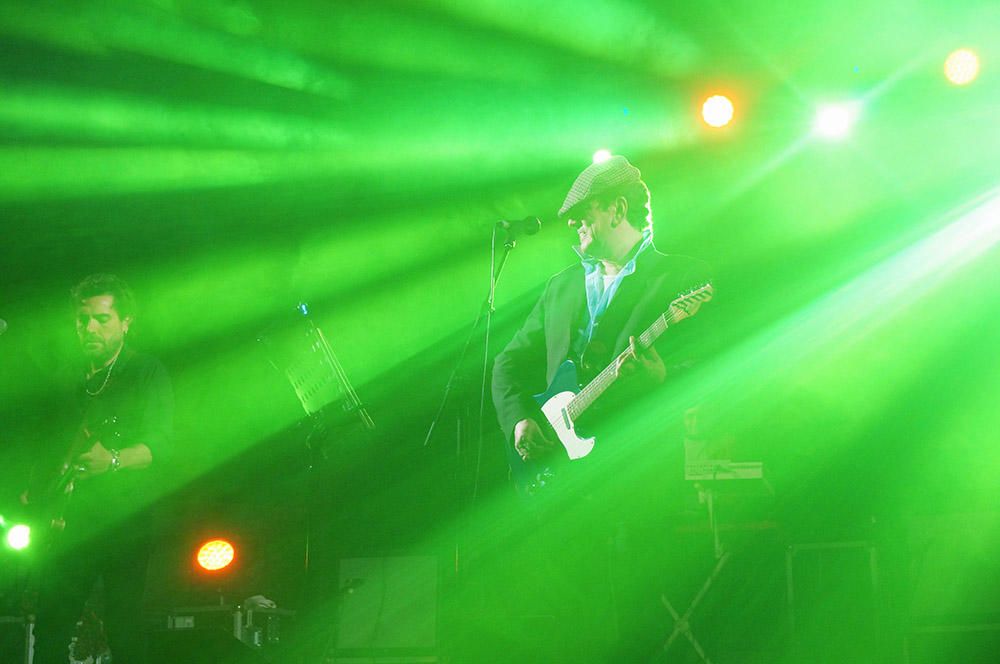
{"x":215,"y":555}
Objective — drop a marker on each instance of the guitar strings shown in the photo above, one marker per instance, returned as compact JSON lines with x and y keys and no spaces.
{"x":583,"y":399}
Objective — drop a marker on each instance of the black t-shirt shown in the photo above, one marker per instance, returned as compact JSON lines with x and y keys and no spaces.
{"x":134,"y":406}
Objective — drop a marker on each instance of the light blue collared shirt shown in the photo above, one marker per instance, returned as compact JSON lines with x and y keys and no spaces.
{"x":601,"y":291}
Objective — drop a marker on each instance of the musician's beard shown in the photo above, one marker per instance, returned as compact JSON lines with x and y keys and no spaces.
{"x":99,"y":351}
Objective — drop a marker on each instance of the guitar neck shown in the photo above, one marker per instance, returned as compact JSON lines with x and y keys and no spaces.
{"x":595,"y":388}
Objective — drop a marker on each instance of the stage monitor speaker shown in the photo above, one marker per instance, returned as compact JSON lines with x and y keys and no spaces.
{"x":953,"y":643}
{"x":201,"y":646}
{"x":387,"y":603}
{"x":954,"y":570}
{"x":14,"y":636}
{"x":833,"y":602}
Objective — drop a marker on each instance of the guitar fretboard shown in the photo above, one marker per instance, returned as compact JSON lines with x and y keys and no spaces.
{"x":595,"y":388}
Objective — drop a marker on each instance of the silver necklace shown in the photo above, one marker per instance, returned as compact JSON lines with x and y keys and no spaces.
{"x":106,"y":378}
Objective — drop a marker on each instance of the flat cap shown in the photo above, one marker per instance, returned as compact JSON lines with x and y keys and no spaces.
{"x":598,"y":178}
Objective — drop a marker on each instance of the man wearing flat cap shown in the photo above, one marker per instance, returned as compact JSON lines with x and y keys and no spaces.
{"x":591,"y":313}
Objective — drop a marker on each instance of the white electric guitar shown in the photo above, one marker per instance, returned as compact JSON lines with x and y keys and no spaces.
{"x":564,"y":402}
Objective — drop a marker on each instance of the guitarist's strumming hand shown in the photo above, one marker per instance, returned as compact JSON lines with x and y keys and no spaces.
{"x":530,"y":441}
{"x":645,"y":363}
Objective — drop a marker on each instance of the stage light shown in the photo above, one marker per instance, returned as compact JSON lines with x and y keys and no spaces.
{"x":215,"y":555}
{"x":19,"y":537}
{"x":962,"y":66}
{"x":602,"y":156}
{"x":834,"y":121}
{"x":717,"y":111}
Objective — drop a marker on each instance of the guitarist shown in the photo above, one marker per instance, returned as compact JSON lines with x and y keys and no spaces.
{"x":105,"y":480}
{"x":593,"y":311}
{"x":590,"y":313}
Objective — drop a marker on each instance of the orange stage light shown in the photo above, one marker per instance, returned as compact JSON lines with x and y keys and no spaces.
{"x":215,"y":555}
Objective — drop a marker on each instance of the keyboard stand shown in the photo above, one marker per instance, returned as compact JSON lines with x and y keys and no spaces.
{"x":705,"y":475}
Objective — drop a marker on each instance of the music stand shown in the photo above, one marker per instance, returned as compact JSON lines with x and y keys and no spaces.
{"x":308,"y":362}
{"x":317,"y":376}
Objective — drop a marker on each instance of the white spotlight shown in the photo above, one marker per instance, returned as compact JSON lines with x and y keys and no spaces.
{"x":834,"y":121}
{"x":602,"y":156}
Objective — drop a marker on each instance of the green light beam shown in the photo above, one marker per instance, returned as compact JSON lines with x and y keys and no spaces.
{"x":623,"y":33}
{"x":100,"y":28}
{"x":818,"y":334}
{"x":36,"y":110}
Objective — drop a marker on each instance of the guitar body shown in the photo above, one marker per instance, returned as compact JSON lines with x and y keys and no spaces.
{"x":554,"y":403}
{"x":534,"y":477}
{"x":49,"y":503}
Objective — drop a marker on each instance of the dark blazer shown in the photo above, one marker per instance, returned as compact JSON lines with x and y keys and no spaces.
{"x":529,"y":362}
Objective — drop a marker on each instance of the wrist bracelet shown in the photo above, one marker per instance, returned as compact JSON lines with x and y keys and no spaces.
{"x":116,"y":460}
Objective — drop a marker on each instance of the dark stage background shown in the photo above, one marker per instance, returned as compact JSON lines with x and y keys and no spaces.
{"x":232,"y":160}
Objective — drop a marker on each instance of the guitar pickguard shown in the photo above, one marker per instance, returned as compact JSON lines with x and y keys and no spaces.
{"x":553,"y":405}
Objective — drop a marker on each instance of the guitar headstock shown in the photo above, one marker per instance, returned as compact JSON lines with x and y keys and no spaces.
{"x":688,"y":303}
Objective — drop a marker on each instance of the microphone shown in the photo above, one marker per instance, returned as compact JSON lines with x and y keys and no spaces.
{"x":526,"y":226}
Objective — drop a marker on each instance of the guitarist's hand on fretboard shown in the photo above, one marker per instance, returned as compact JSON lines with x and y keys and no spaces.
{"x":94,"y":461}
{"x":530,"y":441}
{"x":643,"y":364}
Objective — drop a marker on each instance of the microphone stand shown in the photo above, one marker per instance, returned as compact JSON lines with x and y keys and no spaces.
{"x":486,"y":310}
{"x":460,"y":575}
{"x":485,"y":313}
